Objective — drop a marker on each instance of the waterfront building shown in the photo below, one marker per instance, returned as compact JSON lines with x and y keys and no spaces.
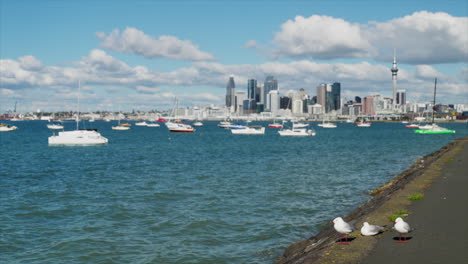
{"x":368,"y":105}
{"x":239,"y":101}
{"x":401,"y":97}
{"x":322,"y":94}
{"x":260,"y":94}
{"x":315,"y":109}
{"x":394,"y":71}
{"x":230,"y":93}
{"x":251,"y":88}
{"x":273,"y":101}
{"x":270,"y":85}
{"x":285,"y":102}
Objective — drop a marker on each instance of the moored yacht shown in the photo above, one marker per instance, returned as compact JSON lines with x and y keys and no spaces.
{"x":78,"y":137}
{"x":179,"y":127}
{"x":6,"y":128}
{"x":249,"y":130}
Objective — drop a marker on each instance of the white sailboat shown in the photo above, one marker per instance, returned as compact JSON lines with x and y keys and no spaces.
{"x":433,"y":128}
{"x":327,"y":124}
{"x":78,"y":137}
{"x":178,"y":127}
{"x":54,"y":126}
{"x":121,"y":126}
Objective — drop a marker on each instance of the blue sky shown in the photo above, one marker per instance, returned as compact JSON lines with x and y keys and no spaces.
{"x":46,"y":46}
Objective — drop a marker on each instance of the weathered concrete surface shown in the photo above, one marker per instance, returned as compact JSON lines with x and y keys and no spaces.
{"x":388,"y":199}
{"x":440,"y":220}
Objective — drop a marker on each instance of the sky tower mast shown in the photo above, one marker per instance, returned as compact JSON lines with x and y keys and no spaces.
{"x":394,"y":71}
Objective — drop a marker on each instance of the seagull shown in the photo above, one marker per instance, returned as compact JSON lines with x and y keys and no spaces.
{"x":403,"y":228}
{"x":371,"y":230}
{"x":343,"y":228}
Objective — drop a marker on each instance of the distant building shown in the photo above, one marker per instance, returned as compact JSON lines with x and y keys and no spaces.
{"x":230,"y":92}
{"x":368,"y":105}
{"x":401,"y":97}
{"x":270,"y":85}
{"x":357,"y":99}
{"x":285,"y":102}
{"x":273,"y":101}
{"x":322,"y":94}
{"x":239,"y":102}
{"x":251,"y":88}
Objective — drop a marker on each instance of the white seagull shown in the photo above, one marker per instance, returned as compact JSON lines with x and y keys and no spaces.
{"x":403,"y":228}
{"x":343,"y":228}
{"x":371,"y":230}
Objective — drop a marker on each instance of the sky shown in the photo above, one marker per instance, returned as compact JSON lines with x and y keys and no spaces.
{"x":141,"y":54}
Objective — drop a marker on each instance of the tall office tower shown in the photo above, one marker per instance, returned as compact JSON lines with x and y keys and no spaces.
{"x":273,"y":101}
{"x":239,"y":101}
{"x":329,"y":105}
{"x":322,"y":95}
{"x":394,"y":71}
{"x":401,"y":97}
{"x":336,"y":95}
{"x":259,"y":94}
{"x":230,"y":92}
{"x":251,"y":88}
{"x":285,"y":102}
{"x":270,"y":85}
{"x":368,"y":105}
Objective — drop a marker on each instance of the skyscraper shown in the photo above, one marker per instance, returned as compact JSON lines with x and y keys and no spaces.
{"x":401,"y":97}
{"x":270,"y":85}
{"x":368,"y":105}
{"x":230,"y":92}
{"x":336,"y":95}
{"x":322,"y":95}
{"x":251,"y":88}
{"x":394,"y":71}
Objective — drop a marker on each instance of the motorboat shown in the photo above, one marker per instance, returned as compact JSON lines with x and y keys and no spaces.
{"x":179,"y":127}
{"x":6,"y":128}
{"x":299,"y":125}
{"x":434,"y":128}
{"x":197,"y":124}
{"x":327,"y":125}
{"x":78,"y":137}
{"x":412,"y":125}
{"x":141,"y":123}
{"x":55,"y":126}
{"x":225,"y":124}
{"x":249,"y":130}
{"x":153,"y":125}
{"x":120,"y":127}
{"x":363,"y":124}
{"x":275,"y":125}
{"x":297,"y":132}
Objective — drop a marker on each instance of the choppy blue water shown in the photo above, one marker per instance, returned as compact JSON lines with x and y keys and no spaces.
{"x":210,"y":197}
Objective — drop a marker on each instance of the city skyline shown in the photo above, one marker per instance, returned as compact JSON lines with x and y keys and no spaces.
{"x":142,"y":55}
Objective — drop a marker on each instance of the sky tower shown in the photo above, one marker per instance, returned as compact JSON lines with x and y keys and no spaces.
{"x":394,"y":71}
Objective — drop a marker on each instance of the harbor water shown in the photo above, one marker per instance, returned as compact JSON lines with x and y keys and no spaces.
{"x":150,"y":196}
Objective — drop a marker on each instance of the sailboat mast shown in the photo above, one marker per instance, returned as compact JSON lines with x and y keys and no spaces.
{"x":434,"y":105}
{"x":78,"y":110}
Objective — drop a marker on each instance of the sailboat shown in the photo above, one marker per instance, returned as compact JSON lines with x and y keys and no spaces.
{"x":55,"y":125}
{"x":78,"y":137}
{"x":121,"y":126}
{"x":178,"y":127}
{"x":434,"y":129}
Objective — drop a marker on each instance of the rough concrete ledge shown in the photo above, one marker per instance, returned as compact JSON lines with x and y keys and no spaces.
{"x":322,"y":248}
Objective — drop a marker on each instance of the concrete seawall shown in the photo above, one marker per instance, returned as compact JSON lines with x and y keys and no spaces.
{"x":389,"y":200}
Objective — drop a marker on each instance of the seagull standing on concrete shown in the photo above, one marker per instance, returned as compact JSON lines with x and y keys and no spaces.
{"x":371,"y":230}
{"x":343,"y":228}
{"x":403,"y":228}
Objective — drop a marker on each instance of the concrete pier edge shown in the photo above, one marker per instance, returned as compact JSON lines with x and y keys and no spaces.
{"x":387,"y":200}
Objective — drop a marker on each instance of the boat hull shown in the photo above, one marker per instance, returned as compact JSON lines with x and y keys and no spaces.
{"x":78,"y":138}
{"x":424,"y":131}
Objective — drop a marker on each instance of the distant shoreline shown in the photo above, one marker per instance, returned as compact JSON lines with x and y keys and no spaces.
{"x":322,"y":247}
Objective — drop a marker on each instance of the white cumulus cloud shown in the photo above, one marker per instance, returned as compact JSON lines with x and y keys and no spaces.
{"x":132,"y":40}
{"x":420,"y":38}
